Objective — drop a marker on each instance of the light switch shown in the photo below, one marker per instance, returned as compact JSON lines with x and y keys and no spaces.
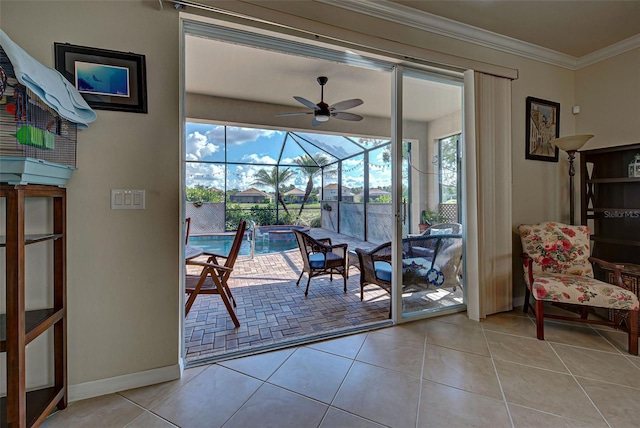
{"x":127,"y":199}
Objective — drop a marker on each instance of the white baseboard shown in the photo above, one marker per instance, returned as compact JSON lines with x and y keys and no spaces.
{"x":96,"y":388}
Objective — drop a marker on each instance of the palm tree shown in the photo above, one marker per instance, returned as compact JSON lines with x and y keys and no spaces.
{"x":273,"y":180}
{"x":309,"y":166}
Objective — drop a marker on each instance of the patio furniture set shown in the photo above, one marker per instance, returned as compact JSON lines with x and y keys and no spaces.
{"x":429,"y":261}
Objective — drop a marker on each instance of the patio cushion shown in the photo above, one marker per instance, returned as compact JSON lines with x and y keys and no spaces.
{"x":582,"y":290}
{"x":317,"y":260}
{"x":383,"y":270}
{"x":447,"y":231}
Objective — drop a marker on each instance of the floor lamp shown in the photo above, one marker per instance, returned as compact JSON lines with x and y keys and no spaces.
{"x":571,"y":145}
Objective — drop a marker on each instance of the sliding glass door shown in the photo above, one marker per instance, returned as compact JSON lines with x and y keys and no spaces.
{"x":429,"y":243}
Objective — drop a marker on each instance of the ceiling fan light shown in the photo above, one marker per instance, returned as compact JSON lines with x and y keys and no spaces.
{"x":322,"y":117}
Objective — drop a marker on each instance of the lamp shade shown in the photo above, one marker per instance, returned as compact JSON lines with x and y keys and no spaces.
{"x":572,"y":142}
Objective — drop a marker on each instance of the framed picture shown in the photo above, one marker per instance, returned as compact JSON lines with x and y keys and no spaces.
{"x":107,"y":80}
{"x":543,"y":125}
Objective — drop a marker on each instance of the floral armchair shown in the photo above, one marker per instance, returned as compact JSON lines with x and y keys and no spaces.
{"x":558,"y":269}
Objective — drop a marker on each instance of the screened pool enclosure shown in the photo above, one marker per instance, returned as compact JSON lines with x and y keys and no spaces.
{"x":340,"y":183}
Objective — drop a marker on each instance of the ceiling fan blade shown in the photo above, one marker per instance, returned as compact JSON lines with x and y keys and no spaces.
{"x":347,"y":104}
{"x":315,"y":122}
{"x":346,"y":116}
{"x":307,"y":103}
{"x":295,"y":114}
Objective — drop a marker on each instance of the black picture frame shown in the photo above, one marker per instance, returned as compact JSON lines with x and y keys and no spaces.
{"x":543,"y":124}
{"x":87,"y":68}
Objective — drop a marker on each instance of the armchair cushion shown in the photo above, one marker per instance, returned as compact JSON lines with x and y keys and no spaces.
{"x":318,"y":260}
{"x":582,"y":290}
{"x":383,"y":270}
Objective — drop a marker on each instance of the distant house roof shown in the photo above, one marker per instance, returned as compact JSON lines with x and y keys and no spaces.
{"x":214,"y":189}
{"x":252,"y":192}
{"x":374,"y":193}
{"x":295,"y":192}
{"x":334,"y":186}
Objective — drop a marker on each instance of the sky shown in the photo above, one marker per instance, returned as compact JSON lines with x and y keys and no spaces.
{"x":260,"y":149}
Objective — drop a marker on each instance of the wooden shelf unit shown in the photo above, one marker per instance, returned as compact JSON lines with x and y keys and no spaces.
{"x":19,"y":327}
{"x":610,"y":203}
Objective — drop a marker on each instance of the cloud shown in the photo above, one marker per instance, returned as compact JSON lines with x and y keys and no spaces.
{"x":237,"y":136}
{"x":200,"y":147}
{"x":255,"y":158}
{"x":204,"y":174}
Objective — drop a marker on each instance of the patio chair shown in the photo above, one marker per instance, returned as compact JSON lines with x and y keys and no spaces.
{"x":428,"y":262}
{"x":444,"y":229}
{"x":320,"y":257}
{"x":558,"y":270}
{"x":187,"y":230}
{"x":214,"y":277}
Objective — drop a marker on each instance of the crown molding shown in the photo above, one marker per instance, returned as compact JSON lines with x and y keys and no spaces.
{"x":404,"y":15}
{"x":609,"y":52}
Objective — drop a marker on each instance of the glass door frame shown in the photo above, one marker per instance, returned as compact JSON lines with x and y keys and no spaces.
{"x":397,"y":137}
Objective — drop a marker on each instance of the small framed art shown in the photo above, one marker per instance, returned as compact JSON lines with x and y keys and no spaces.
{"x":543,"y":125}
{"x":107,"y":80}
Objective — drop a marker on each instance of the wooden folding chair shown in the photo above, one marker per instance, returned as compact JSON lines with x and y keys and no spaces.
{"x":214,"y":276}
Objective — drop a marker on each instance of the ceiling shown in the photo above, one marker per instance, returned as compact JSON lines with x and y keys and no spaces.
{"x":574,"y":28}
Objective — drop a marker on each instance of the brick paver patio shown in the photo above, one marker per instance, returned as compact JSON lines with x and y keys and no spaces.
{"x":272,"y":310}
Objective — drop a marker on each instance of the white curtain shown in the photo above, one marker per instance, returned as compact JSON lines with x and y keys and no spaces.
{"x":488,"y":182}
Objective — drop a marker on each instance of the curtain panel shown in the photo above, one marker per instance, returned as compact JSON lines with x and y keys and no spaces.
{"x":488,"y":181}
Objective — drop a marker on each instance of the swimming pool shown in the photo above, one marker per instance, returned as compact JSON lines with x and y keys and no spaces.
{"x":265,"y":243}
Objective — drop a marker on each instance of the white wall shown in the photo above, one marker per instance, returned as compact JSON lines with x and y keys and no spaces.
{"x":608,"y":94}
{"x":124,"y":266}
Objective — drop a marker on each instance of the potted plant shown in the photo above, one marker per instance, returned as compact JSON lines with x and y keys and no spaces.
{"x":429,"y":218}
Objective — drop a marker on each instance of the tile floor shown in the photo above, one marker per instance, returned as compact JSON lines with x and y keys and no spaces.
{"x":443,"y":372}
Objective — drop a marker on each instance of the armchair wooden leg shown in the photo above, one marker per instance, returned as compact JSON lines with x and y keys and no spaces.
{"x":527,"y":294}
{"x":540,"y":319}
{"x":633,"y":332}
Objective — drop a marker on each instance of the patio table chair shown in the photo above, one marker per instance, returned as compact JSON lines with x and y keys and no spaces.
{"x":214,"y":277}
{"x":320,"y":257}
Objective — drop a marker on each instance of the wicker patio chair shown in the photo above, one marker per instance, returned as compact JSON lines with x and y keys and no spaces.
{"x":428,"y":262}
{"x":319,"y":257}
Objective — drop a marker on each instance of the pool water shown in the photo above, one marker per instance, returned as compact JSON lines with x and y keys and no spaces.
{"x":221,"y":244}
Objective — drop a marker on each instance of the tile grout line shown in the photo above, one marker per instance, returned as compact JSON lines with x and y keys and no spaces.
{"x":579,"y":385}
{"x":420,"y":385}
{"x":495,"y":370}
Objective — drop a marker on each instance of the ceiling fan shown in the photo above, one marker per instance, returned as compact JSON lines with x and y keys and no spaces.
{"x":322,"y":112}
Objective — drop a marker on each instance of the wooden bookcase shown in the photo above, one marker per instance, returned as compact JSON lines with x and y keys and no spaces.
{"x":19,"y":327}
{"x":610,"y":204}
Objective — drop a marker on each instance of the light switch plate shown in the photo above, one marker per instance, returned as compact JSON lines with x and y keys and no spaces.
{"x":127,"y":199}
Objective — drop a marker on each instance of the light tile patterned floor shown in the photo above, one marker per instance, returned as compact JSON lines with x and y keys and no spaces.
{"x":443,"y":372}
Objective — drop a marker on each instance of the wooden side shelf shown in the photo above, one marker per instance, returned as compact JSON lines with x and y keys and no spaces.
{"x":19,"y":327}
{"x":610,"y":202}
